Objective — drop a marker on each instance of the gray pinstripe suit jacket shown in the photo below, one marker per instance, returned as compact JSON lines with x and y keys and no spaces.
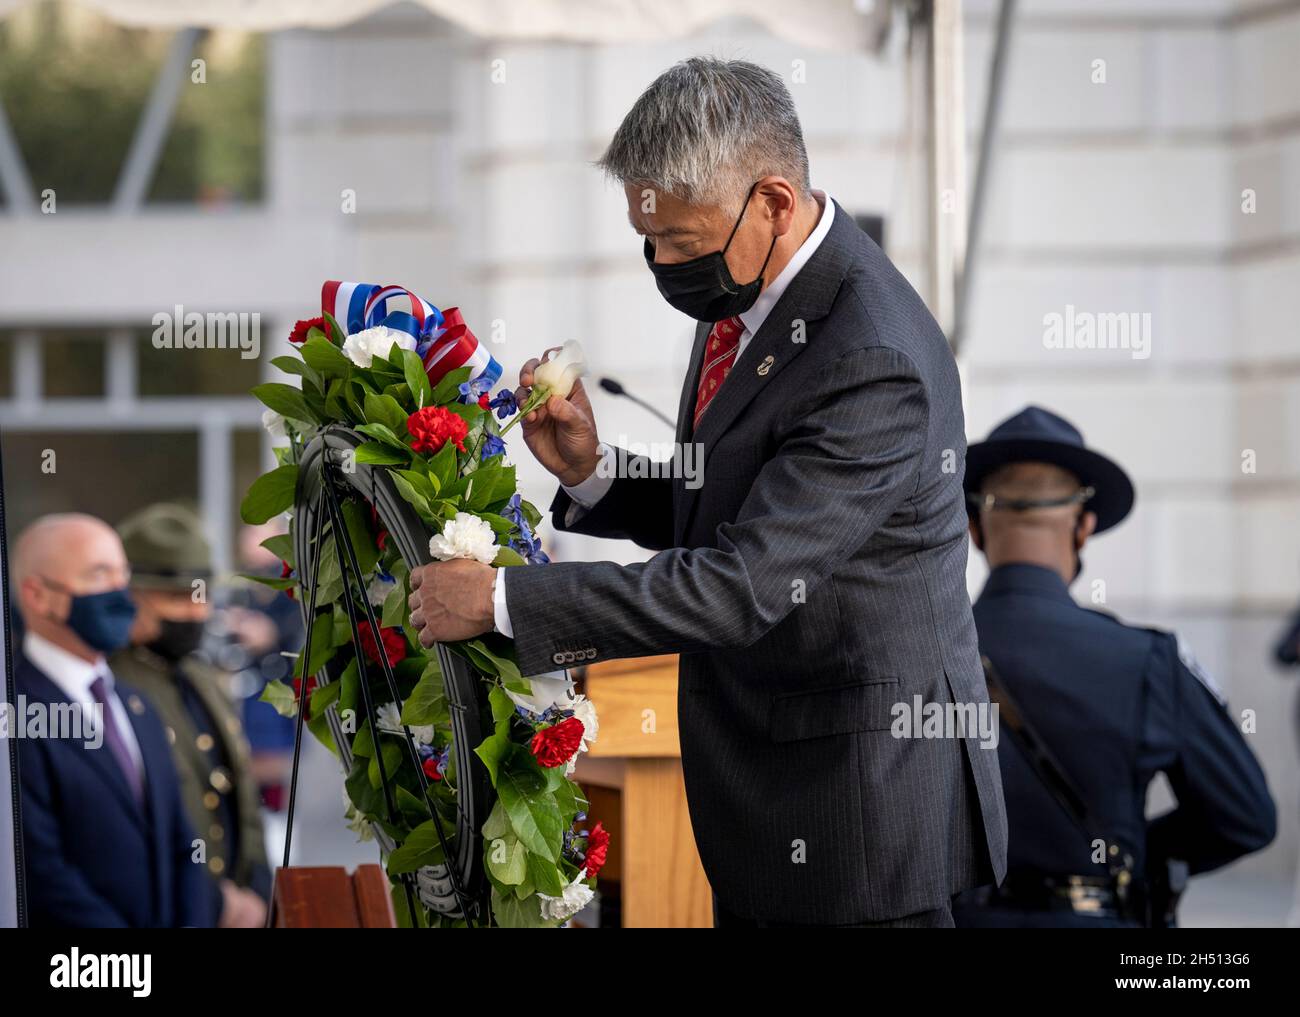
{"x":814,"y":579}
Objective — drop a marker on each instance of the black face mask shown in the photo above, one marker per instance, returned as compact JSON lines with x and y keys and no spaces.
{"x":703,"y":287}
{"x":177,"y":639}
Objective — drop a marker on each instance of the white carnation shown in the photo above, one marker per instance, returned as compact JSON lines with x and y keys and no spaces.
{"x":465,"y":536}
{"x":379,"y":589}
{"x":274,"y":424}
{"x":362,"y":347}
{"x":577,"y":895}
{"x":389,"y":718}
{"x":554,"y":688}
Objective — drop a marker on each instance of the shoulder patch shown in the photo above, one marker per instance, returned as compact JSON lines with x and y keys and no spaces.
{"x":1193,"y":665}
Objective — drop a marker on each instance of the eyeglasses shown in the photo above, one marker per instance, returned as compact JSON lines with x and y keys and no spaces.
{"x":991,"y":501}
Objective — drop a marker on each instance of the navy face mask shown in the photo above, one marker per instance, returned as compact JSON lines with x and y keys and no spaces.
{"x":703,"y":287}
{"x":101,"y":620}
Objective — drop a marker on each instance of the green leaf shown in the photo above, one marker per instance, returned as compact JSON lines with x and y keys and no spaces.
{"x":502,"y":665}
{"x":384,"y":409}
{"x":416,"y":378}
{"x":392,"y":753}
{"x":498,"y":823}
{"x":396,"y":612}
{"x":384,"y":433}
{"x":420,"y":848}
{"x":280,"y":696}
{"x":448,"y":390}
{"x":508,"y":556}
{"x":379,"y":454}
{"x":408,"y":491}
{"x":503,"y":707}
{"x":513,"y":913}
{"x":292,"y":365}
{"x":428,"y":700}
{"x":507,"y":860}
{"x":492,"y":751}
{"x":321,"y":698}
{"x":356,"y":519}
{"x":533,"y":814}
{"x":545,"y":875}
{"x":322,"y":646}
{"x":269,"y":495}
{"x":442,"y":467}
{"x":325,"y":358}
{"x":285,"y":400}
{"x":281,"y":545}
{"x":275,"y":582}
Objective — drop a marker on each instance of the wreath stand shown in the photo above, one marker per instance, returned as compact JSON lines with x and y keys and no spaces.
{"x":457,"y":887}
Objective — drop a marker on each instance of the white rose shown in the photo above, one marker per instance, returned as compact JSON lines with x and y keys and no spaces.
{"x":560,"y":372}
{"x":274,"y":424}
{"x":362,"y":347}
{"x":465,"y":536}
{"x":577,"y":895}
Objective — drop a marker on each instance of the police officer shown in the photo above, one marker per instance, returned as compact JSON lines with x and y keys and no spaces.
{"x":171,"y":567}
{"x":1102,"y":706}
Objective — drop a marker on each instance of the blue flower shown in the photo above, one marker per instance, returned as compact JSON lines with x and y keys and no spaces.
{"x":471,"y":390}
{"x":504,"y":403}
{"x":492,"y":446}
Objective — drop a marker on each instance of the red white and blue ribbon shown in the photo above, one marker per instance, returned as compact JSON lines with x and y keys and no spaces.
{"x":443,"y":340}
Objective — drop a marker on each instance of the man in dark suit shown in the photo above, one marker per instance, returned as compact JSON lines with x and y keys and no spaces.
{"x":1112,"y":704}
{"x":814,"y":581}
{"x":106,"y":841}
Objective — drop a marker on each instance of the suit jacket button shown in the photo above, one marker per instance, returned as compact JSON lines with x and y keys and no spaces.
{"x":570,"y":657}
{"x":558,"y":658}
{"x":591,"y":653}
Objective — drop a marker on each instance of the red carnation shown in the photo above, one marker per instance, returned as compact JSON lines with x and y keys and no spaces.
{"x":286,"y":572}
{"x":555,"y":746}
{"x":381,"y":540}
{"x":434,"y":426}
{"x":485,"y":401}
{"x":300,"y":330}
{"x":393,"y":640}
{"x":430,"y":768}
{"x":297,"y":692}
{"x":597,"y":850}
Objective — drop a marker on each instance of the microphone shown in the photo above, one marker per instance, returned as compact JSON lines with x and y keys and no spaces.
{"x":616,"y":388}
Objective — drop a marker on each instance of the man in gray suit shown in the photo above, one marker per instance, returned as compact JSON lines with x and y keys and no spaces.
{"x":814,"y":583}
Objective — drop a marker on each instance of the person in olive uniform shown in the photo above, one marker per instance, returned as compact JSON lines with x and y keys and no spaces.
{"x":1113,"y":705}
{"x":171,"y":567}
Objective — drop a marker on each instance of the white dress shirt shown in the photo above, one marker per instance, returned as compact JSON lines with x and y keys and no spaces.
{"x":591,"y":490}
{"x":74,"y":676}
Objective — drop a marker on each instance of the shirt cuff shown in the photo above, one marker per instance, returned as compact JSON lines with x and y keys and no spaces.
{"x":501,"y":613}
{"x":596,"y":486}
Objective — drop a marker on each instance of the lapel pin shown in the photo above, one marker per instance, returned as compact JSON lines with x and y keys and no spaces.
{"x":766,"y":365}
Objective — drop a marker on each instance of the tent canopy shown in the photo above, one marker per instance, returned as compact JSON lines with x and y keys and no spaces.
{"x":829,"y":24}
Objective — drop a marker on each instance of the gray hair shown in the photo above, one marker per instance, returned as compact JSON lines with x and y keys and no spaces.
{"x":707,"y":129}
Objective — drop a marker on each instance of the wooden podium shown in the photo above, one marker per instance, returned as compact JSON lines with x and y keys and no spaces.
{"x":327,"y":897}
{"x":632,"y":774}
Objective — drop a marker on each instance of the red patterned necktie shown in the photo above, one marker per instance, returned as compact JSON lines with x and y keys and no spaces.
{"x":719,"y":355}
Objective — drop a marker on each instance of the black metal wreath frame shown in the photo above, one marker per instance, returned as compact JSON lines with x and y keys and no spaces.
{"x":458,"y":887}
